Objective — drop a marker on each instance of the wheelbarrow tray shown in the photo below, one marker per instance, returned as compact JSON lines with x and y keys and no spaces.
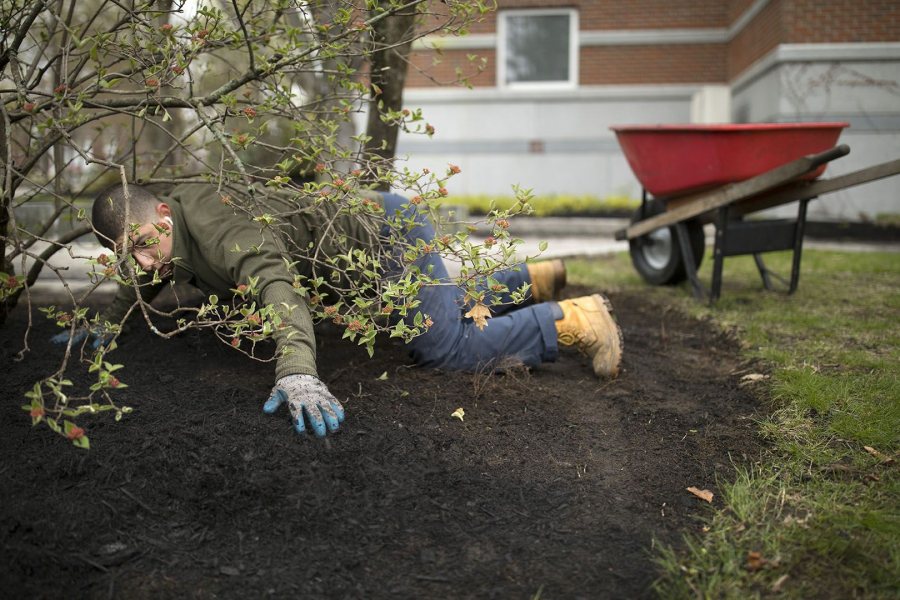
{"x":652,"y":232}
{"x":673,"y":160}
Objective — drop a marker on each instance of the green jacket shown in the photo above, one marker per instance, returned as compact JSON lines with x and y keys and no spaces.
{"x":217,"y":247}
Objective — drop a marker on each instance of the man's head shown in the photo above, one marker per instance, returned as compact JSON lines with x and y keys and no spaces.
{"x":148,"y":226}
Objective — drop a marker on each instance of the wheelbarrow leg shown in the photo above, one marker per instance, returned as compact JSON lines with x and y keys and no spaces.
{"x":688,"y":258}
{"x":798,"y":245}
{"x":797,"y":248}
{"x":719,"y":253}
{"x":764,"y":272}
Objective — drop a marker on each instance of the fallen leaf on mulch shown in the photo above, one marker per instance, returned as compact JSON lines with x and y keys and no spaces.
{"x":459,"y":413}
{"x":752,"y":378}
{"x":884,"y":458}
{"x":702,"y":494}
{"x":480,"y":314}
{"x":755,"y":561}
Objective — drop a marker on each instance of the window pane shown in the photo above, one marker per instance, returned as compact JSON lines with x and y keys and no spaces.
{"x":537,"y":48}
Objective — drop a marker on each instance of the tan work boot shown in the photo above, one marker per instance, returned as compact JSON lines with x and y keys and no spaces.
{"x":548,"y":278}
{"x":588,"y":325}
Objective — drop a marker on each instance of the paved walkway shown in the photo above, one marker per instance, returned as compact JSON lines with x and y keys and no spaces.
{"x":565,"y":237}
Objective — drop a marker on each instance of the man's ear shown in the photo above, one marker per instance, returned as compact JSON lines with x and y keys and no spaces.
{"x":163,"y":210}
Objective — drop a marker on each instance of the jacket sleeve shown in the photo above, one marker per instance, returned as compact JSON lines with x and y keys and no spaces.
{"x":126,"y":297}
{"x":240,"y":249}
{"x":296,"y":343}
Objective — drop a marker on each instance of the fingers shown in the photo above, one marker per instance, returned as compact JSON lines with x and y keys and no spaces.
{"x":332,"y":417}
{"x":299,"y":424}
{"x":102,"y":340}
{"x":63,"y":337}
{"x":316,"y":422}
{"x":338,"y":409}
{"x":298,"y":410}
{"x":322,"y":417}
{"x":96,"y":341}
{"x":60,"y":338}
{"x":275,"y":400}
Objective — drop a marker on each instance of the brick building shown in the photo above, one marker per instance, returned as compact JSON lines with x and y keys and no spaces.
{"x":558,"y":73}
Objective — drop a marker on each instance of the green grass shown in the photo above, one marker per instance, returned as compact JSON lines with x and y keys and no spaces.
{"x":555,"y":205}
{"x":821,"y":511}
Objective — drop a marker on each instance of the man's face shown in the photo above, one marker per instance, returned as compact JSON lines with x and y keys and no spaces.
{"x":152,"y":248}
{"x":151,"y":243}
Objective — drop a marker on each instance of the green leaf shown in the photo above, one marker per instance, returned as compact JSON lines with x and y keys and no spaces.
{"x":35,"y":394}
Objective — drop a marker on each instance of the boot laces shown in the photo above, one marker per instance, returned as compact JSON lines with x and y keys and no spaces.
{"x":575,"y":338}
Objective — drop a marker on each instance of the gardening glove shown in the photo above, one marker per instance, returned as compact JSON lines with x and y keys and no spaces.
{"x":306,"y":394}
{"x":81,"y":333}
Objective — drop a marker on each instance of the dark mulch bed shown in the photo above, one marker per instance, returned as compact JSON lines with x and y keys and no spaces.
{"x":553,"y":482}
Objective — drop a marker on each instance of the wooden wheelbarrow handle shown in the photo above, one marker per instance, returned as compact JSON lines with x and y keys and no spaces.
{"x":829,"y":155}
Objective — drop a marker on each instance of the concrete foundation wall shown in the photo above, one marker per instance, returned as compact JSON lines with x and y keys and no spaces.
{"x":551,"y":142}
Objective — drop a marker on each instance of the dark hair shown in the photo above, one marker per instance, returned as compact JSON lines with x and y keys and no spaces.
{"x":108,"y":214}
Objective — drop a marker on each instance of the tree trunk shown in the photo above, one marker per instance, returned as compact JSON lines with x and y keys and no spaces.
{"x":393,"y":37}
{"x":5,"y":207}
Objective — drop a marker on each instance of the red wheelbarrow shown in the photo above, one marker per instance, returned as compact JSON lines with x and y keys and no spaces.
{"x":694,"y":174}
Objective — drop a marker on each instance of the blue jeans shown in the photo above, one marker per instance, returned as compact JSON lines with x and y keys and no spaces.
{"x":524,"y":333}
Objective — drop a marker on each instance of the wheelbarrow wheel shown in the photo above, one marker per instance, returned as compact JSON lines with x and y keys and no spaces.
{"x":657,"y":255}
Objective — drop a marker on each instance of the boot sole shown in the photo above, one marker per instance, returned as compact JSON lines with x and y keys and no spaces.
{"x":606,"y":364}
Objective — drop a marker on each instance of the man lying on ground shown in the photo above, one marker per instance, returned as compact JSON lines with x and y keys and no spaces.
{"x":190,"y":236}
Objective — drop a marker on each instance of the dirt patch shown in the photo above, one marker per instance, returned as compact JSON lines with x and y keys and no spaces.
{"x":553,"y":482}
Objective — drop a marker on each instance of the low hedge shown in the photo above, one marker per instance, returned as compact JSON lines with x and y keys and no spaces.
{"x":550,"y":205}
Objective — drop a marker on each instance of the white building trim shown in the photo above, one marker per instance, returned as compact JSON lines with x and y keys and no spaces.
{"x":627,"y":37}
{"x":636,"y":37}
{"x":746,"y":18}
{"x":472,"y":41}
{"x":787,"y":53}
{"x":491,"y":95}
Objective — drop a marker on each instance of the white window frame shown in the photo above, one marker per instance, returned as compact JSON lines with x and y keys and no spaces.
{"x":574,"y":46}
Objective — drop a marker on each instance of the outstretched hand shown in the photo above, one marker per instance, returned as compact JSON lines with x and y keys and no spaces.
{"x":307,"y":395}
{"x":80,"y":333}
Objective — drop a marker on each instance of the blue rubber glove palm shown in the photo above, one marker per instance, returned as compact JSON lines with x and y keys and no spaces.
{"x":97,"y":340}
{"x":307,"y":396}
